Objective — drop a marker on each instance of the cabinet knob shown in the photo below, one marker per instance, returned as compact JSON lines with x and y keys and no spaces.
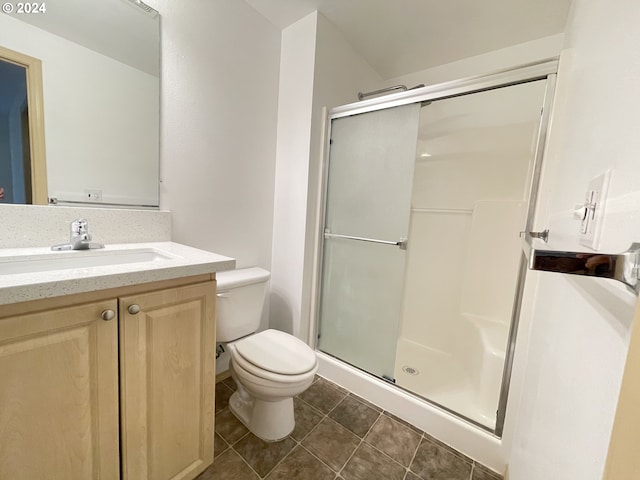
{"x":108,"y":315}
{"x":133,"y":309}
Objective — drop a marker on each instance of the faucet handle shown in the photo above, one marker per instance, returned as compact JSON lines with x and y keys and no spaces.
{"x":79,"y":239}
{"x":79,"y":227}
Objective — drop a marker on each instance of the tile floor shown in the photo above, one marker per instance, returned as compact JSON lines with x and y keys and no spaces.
{"x":338,"y":436}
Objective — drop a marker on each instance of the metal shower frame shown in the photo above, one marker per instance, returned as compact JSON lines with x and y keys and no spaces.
{"x":546,"y":69}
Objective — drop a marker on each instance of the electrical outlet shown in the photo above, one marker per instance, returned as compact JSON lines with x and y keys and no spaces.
{"x":93,"y":195}
{"x":595,"y":200}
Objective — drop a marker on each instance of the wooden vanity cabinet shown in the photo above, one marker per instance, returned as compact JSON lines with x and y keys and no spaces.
{"x":87,"y":395}
{"x":167,"y":352}
{"x":59,"y":394}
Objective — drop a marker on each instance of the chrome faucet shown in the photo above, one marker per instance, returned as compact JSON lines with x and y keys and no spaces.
{"x":79,"y":239}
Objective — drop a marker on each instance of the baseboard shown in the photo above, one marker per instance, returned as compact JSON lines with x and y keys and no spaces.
{"x":223,"y":376}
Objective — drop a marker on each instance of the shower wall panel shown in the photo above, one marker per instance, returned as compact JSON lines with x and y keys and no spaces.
{"x":493,"y":254}
{"x":438,"y":245}
{"x":469,"y":203}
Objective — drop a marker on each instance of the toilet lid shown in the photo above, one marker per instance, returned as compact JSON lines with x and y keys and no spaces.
{"x":277,"y":352}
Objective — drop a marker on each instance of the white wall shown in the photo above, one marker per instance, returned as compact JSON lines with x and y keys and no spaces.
{"x":220,"y":71}
{"x":318,"y":68}
{"x":580,"y":326}
{"x":96,"y":112}
{"x":220,"y":62}
{"x":504,"y":58}
{"x":292,"y":169}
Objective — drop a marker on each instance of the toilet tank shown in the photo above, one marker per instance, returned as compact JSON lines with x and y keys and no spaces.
{"x":239,"y":302}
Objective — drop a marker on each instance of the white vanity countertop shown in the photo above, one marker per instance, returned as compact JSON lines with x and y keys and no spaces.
{"x":36,"y":273}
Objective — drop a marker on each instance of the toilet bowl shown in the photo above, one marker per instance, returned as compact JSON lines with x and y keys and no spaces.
{"x":269,"y":372}
{"x":269,"y":367}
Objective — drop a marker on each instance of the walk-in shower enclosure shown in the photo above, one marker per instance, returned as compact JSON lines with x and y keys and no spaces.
{"x":421,"y":271}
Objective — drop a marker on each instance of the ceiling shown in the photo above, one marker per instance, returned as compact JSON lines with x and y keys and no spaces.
{"x":120,"y":29}
{"x":397,"y":37}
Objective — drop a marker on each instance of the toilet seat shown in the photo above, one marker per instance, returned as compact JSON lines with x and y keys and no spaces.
{"x":274,"y":355}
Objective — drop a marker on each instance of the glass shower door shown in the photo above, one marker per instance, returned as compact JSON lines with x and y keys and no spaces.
{"x":368,"y":206}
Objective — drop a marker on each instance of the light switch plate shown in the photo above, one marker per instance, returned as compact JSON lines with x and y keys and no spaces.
{"x":595,"y":199}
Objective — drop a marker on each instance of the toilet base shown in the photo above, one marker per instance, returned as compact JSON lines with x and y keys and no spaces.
{"x":270,"y":421}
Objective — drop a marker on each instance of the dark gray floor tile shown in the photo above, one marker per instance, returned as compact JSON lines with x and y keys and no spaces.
{"x":331,"y":447}
{"x":334,"y":385}
{"x":480,"y":472}
{"x":354,"y":415}
{"x":366,"y":402}
{"x":404,"y":422}
{"x":230,"y":382}
{"x":331,"y":443}
{"x":228,"y":466}
{"x":263,"y":456}
{"x":434,"y":462}
{"x":447,"y":447}
{"x":229,"y":427}
{"x":306,"y":417}
{"x":323,"y":395}
{"x":301,"y":465}
{"x":219,"y":445}
{"x":395,"y":439}
{"x":223,"y":393}
{"x":367,"y":463}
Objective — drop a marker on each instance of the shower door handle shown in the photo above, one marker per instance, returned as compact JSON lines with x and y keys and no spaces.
{"x":402,"y":243}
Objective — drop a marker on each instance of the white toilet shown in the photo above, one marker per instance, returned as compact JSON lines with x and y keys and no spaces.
{"x":269,"y":367}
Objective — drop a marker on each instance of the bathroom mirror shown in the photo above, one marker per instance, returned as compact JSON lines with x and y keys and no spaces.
{"x":101,"y":92}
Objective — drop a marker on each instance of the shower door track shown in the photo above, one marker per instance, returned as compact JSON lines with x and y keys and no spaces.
{"x":526,"y":73}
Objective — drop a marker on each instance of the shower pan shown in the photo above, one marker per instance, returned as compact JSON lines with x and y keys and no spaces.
{"x":421,"y":271}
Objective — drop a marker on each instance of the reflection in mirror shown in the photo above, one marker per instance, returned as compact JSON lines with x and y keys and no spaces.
{"x":22,"y":161}
{"x":15,"y":169}
{"x":100,"y":74}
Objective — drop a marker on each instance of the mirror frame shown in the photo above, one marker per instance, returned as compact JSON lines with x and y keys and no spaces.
{"x":35,"y":104}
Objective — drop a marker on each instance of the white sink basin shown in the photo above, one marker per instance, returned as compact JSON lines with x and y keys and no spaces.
{"x":79,"y":259}
{"x":35,"y":273}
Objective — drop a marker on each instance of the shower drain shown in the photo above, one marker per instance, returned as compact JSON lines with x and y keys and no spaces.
{"x":410,"y":370}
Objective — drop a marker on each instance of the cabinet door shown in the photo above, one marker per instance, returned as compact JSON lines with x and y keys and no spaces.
{"x":167,"y":382}
{"x":59,"y":394}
